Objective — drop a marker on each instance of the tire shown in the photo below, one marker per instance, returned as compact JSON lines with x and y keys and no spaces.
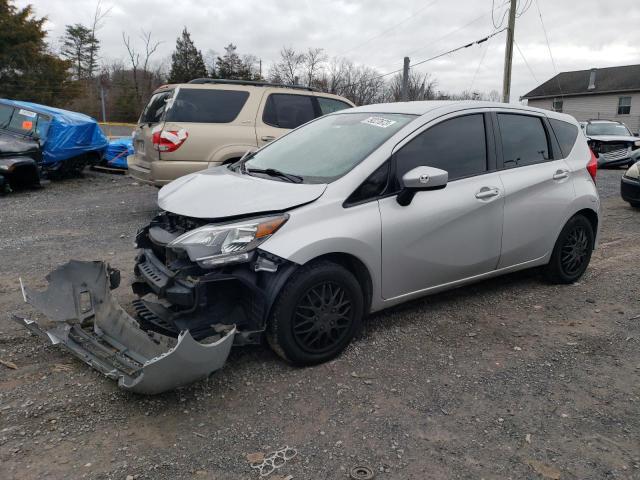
{"x":572,"y":251}
{"x":316,"y":315}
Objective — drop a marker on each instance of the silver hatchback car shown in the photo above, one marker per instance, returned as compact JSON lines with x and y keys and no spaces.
{"x":355,"y":212}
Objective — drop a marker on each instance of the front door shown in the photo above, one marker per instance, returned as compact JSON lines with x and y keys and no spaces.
{"x":445,"y":235}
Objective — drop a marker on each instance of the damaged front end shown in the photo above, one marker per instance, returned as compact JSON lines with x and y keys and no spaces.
{"x":85,"y":318}
{"x":202,"y":287}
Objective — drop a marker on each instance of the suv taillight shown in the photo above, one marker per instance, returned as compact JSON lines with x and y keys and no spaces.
{"x":169,"y":140}
{"x":592,"y":166}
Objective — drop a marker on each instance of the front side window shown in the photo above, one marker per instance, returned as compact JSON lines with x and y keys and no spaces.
{"x":457,"y":145}
{"x":288,"y":111}
{"x":205,"y":105}
{"x":624,"y":105}
{"x":330,"y":105}
{"x":524,"y":140}
{"x":557,"y":105}
{"x":155,"y":108}
{"x":329,"y":147}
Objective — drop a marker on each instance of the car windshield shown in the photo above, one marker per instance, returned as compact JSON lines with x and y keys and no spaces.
{"x":23,"y":121}
{"x":607,"y":129}
{"x":329,"y":147}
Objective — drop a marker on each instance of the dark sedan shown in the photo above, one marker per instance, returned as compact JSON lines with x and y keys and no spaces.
{"x":630,"y":185}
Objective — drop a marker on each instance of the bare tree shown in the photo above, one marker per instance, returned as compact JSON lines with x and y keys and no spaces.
{"x":99,"y":16}
{"x":421,"y":87}
{"x":314,"y":61}
{"x":287,"y":70}
{"x":149,"y":49}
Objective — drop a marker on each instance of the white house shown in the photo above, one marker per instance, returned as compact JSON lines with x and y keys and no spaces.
{"x":611,"y":93}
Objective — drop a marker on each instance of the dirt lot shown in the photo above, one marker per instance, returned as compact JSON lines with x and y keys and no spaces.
{"x":510,"y":378}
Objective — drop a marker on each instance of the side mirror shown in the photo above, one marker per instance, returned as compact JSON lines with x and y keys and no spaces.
{"x":420,"y":179}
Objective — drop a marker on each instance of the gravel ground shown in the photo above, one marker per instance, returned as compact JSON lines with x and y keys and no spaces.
{"x":509,"y":378}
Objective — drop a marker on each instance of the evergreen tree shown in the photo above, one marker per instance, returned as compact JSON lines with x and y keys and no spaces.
{"x":186,"y":61}
{"x":28,"y":71}
{"x":231,"y":66}
{"x":80,"y":46}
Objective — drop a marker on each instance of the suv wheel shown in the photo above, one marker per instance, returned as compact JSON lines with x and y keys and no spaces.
{"x":572,"y":251}
{"x":316,"y":315}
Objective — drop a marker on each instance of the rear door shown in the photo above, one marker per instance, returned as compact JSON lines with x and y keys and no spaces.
{"x":450,"y":234}
{"x":537,"y":187}
{"x":282,"y":112}
{"x":150,"y":119}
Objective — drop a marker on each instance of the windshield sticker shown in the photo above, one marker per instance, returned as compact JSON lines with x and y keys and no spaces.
{"x":27,"y":113}
{"x":378,"y":122}
{"x":27,"y":125}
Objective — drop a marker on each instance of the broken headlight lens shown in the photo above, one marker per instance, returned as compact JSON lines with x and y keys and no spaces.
{"x":216,"y":245}
{"x":633,"y":172}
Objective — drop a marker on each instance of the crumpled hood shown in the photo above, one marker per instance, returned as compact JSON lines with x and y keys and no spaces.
{"x":612,"y":138}
{"x":218,"y":192}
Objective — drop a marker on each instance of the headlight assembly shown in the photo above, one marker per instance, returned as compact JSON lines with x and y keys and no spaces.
{"x":216,"y":245}
{"x":633,"y":172}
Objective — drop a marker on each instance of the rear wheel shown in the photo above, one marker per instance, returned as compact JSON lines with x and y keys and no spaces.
{"x":572,"y":251}
{"x":316,"y":315}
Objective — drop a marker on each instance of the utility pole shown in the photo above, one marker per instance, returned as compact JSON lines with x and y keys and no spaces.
{"x":104,"y":112}
{"x":508,"y":52}
{"x":405,"y":80}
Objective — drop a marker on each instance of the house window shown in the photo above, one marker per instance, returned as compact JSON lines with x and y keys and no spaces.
{"x":624,"y":105}
{"x":557,"y":105}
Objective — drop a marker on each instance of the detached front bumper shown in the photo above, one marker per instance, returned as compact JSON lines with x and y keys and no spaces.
{"x":85,"y":318}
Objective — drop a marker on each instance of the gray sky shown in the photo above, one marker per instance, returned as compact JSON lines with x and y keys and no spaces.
{"x":582,"y":34}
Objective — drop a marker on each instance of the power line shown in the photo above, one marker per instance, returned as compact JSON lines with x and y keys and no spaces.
{"x":525,"y":61}
{"x":546,"y":37}
{"x":389,"y":29}
{"x":484,"y":54}
{"x":524,"y":9}
{"x":493,"y":10}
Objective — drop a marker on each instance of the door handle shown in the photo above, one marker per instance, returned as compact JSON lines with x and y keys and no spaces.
{"x":560,"y":174}
{"x":267,"y":138}
{"x":487,"y":192}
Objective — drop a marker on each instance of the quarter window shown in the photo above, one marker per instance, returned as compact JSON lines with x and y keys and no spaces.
{"x":624,"y":105}
{"x":155,"y":108}
{"x":458,"y":146}
{"x":288,"y":111}
{"x":207,"y":105}
{"x":566,"y":134}
{"x":330,"y":105}
{"x":524,"y":140}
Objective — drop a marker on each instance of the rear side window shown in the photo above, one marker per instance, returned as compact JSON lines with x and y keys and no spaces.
{"x":155,"y":108}
{"x":458,"y":146}
{"x":206,"y":105}
{"x":288,"y":111}
{"x":566,"y":134}
{"x":330,"y":105}
{"x":524,"y":140}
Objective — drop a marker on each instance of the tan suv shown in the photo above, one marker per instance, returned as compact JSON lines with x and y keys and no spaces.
{"x":191,"y":126}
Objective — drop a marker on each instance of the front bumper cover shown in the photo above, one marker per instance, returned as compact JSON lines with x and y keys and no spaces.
{"x":86,"y":319}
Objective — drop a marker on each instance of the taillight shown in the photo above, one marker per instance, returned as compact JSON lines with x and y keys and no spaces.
{"x":592,"y":166}
{"x":169,"y":140}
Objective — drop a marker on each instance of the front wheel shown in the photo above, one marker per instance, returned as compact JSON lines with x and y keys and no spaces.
{"x":316,"y":315}
{"x":572,"y":251}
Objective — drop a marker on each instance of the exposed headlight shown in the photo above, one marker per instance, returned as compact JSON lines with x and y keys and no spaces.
{"x":215,"y":245}
{"x":637,"y":143}
{"x":633,"y":172}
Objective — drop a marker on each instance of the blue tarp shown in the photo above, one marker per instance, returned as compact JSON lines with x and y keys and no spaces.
{"x":68,"y":135}
{"x":118,"y":151}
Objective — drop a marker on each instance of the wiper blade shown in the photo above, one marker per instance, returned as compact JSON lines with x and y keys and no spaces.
{"x":272,"y":172}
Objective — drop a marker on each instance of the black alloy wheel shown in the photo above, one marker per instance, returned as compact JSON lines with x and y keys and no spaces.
{"x":323,"y":317}
{"x":572,"y":251}
{"x":317,"y":313}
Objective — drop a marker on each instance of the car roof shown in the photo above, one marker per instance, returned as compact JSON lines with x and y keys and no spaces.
{"x":602,"y":121}
{"x":445,"y":106}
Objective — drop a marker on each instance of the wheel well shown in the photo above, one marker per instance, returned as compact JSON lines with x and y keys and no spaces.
{"x":591,"y":216}
{"x":357,"y":268}
{"x":229,"y":161}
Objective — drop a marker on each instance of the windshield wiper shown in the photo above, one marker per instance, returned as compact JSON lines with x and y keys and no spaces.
{"x":272,"y":172}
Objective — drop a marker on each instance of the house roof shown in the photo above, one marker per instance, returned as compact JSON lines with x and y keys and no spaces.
{"x":607,"y":80}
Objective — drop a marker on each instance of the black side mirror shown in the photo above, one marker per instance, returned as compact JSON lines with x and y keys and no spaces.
{"x":421,"y":179}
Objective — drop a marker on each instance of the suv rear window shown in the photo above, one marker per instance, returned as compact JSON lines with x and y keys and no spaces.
{"x":330,"y":105}
{"x":155,"y":108}
{"x":206,"y":105}
{"x":288,"y":111}
{"x":524,"y":140}
{"x":566,"y":134}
